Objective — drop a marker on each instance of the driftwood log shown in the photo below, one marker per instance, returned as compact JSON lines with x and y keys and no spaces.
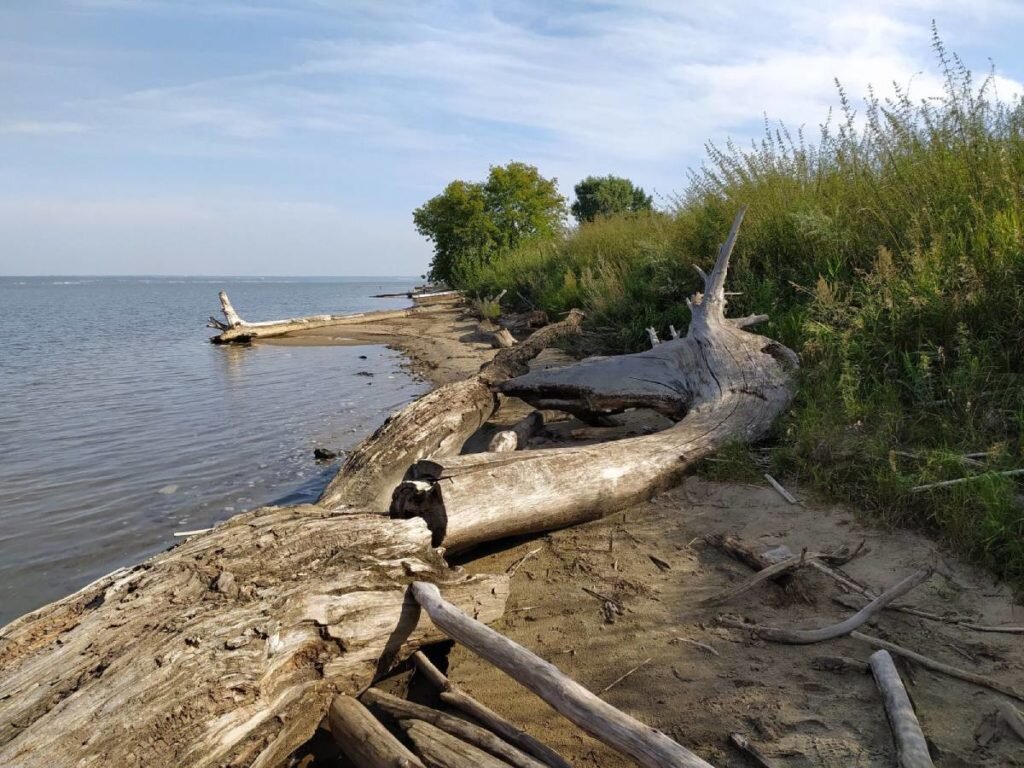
{"x":911,"y":747}
{"x":233,"y":329}
{"x":442,"y":750}
{"x":363,"y":740}
{"x":226,"y":650}
{"x":723,"y":383}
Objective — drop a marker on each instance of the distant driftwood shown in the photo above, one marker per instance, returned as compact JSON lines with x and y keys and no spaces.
{"x":234,"y":329}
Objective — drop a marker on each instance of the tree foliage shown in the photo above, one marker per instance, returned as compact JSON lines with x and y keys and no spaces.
{"x":598,"y":196}
{"x":470,"y":222}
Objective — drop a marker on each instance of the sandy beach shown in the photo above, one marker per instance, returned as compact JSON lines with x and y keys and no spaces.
{"x":620,"y":598}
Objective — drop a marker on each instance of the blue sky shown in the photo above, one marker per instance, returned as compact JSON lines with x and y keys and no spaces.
{"x":296,"y":136}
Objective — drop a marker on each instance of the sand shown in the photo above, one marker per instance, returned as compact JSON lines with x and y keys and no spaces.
{"x":794,"y":713}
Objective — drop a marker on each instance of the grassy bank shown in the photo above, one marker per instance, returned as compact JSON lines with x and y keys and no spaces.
{"x":890,"y":253}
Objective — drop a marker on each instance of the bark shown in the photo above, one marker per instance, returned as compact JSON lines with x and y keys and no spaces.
{"x":436,"y":425}
{"x":911,"y":748}
{"x":235,"y":329}
{"x":363,"y":740}
{"x":647,"y":746}
{"x":730,"y":385}
{"x":226,"y":650}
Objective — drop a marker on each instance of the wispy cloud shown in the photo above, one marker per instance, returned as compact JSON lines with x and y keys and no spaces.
{"x":41,"y":127}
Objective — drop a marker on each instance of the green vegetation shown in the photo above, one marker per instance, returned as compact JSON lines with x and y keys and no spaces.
{"x":472,"y":223}
{"x":890,"y":255}
{"x":601,"y":196}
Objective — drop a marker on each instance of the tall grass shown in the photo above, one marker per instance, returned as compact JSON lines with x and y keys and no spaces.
{"x":890,"y":253}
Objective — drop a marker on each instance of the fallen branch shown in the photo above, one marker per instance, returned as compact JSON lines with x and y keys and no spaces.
{"x":698,"y":644}
{"x":454,"y":696}
{"x":442,"y":750}
{"x":959,"y":480}
{"x":911,"y":747}
{"x":778,"y":487}
{"x":840,"y":664}
{"x":519,"y":435}
{"x":363,"y":740}
{"x":938,"y":666}
{"x":511,"y":570}
{"x":644,"y":744}
{"x":772,"y":571}
{"x":1012,"y":717}
{"x":400,"y":709}
{"x":620,"y":678}
{"x":808,"y":636}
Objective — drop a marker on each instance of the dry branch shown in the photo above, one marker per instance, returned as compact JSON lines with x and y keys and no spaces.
{"x":911,"y":748}
{"x":363,"y":740}
{"x":442,"y":750}
{"x":645,"y":745}
{"x":938,"y":666}
{"x":808,"y":636}
{"x":454,"y":696}
{"x":400,"y":709}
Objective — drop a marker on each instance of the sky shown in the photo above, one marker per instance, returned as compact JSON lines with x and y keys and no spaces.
{"x":295,"y":137}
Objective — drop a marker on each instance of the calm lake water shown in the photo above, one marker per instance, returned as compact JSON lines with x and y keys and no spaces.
{"x":120,"y":424}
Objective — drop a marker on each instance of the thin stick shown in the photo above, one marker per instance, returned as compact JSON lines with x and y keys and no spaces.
{"x":400,"y":709}
{"x":778,"y":487}
{"x":699,"y":644}
{"x":619,"y":679}
{"x":807,"y":636}
{"x":957,"y":481}
{"x":911,"y":748}
{"x":772,"y":571}
{"x":647,"y":746}
{"x":511,"y":570}
{"x":1010,"y":715}
{"x":599,"y":596}
{"x":192,"y":533}
{"x":938,"y":666}
{"x":742,"y":743}
{"x":456,"y":697}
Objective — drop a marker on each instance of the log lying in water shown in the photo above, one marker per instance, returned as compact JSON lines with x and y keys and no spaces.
{"x":724,"y":383}
{"x":235,"y":329}
{"x":436,"y":425}
{"x":228,"y":649}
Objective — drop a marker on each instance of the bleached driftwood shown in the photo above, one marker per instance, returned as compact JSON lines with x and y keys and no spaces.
{"x":442,"y":750}
{"x":647,"y":746}
{"x":729,"y":385}
{"x":363,"y":740}
{"x":400,"y":709}
{"x":911,"y":748}
{"x":517,"y":437}
{"x":235,"y":329}
{"x":436,"y":425}
{"x":808,"y":636}
{"x":454,"y":696}
{"x":227,"y":649}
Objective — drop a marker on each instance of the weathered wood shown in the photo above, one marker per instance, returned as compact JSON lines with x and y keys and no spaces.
{"x":911,"y":748}
{"x":729,"y":384}
{"x":225,"y":650}
{"x":646,"y":745}
{"x":442,"y":750}
{"x":519,"y":435}
{"x":454,"y":696}
{"x":502,"y":339}
{"x":436,"y":425}
{"x":363,"y":740}
{"x":400,"y":709}
{"x":238,"y":330}
{"x":808,"y":636}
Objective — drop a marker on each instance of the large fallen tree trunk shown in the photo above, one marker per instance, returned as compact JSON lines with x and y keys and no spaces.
{"x":235,"y":329}
{"x":436,"y":425}
{"x":724,"y":383}
{"x":227,"y":650}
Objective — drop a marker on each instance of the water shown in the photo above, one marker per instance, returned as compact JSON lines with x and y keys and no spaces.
{"x":120,"y":424}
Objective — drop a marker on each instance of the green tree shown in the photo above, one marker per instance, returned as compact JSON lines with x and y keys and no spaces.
{"x":607,"y":195}
{"x":470,"y":222}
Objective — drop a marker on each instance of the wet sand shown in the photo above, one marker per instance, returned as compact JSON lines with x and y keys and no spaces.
{"x":770,"y":693}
